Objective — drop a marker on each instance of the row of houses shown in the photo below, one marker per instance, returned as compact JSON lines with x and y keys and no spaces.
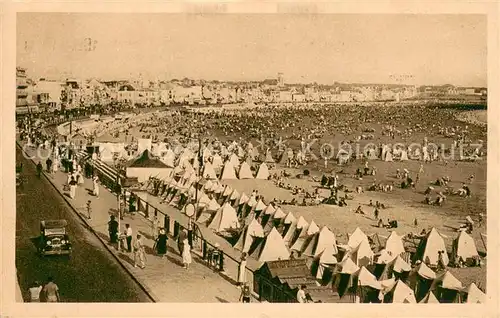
{"x":72,"y":93}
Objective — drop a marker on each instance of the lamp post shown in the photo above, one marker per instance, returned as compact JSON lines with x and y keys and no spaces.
{"x":191,"y":221}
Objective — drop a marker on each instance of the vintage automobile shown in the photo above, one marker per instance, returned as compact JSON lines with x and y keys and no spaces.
{"x":54,"y":239}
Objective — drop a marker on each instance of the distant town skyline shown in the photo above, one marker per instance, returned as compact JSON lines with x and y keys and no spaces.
{"x":349,"y":48}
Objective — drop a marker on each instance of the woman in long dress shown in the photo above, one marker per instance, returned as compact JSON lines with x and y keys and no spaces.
{"x":161,"y":243}
{"x":72,"y":188}
{"x":242,"y":269}
{"x":186,"y":254}
{"x":96,"y":186}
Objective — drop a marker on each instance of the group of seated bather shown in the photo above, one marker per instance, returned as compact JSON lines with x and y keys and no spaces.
{"x":439,"y":200}
{"x":443,"y":181}
{"x":381,"y":187}
{"x":391,"y":224}
{"x":378,"y":205}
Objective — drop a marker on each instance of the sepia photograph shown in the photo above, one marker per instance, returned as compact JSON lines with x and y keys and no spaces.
{"x":251,"y":158}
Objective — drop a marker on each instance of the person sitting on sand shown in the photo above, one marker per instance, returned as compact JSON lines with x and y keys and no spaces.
{"x":359,"y":210}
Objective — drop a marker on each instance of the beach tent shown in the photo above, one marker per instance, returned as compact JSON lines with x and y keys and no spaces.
{"x":234,"y":160}
{"x":247,"y":236}
{"x":217,"y":161}
{"x":243,"y":199}
{"x":143,"y":144}
{"x":272,"y":248}
{"x":319,"y":241}
{"x":429,"y":248}
{"x":284,"y":157}
{"x":245,"y":172}
{"x":324,"y":262}
{"x":356,"y":237}
{"x":394,"y":244}
{"x":227,"y":191}
{"x":464,"y":247}
{"x":342,"y":275}
{"x":362,"y":255}
{"x":288,"y":227}
{"x":168,"y":158}
{"x":295,"y":230}
{"x":209,"y":172}
{"x":430,"y":298}
{"x":224,"y":219}
{"x":363,"y":278}
{"x":263,"y":172}
{"x":420,"y":279}
{"x":447,"y":287}
{"x":305,"y":233}
{"x":228,"y":173}
{"x":400,"y":293}
{"x":269,"y":157}
{"x":397,"y":268}
{"x":475,"y":295}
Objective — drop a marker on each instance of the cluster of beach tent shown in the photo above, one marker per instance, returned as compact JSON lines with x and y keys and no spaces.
{"x":267,"y":233}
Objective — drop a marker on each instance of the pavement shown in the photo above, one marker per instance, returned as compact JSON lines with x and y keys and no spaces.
{"x":164,"y":279}
{"x":91,"y":274}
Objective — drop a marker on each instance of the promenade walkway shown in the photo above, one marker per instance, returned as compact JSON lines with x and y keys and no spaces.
{"x":165,"y":279}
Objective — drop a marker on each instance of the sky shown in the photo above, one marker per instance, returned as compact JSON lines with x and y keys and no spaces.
{"x":328,"y":48}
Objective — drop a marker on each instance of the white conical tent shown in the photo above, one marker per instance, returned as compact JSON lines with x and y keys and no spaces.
{"x":320,"y":241}
{"x":298,"y":245}
{"x":385,"y":257}
{"x":424,"y":271}
{"x":401,"y":293}
{"x":464,"y":247}
{"x":234,"y":160}
{"x":394,"y":244}
{"x":302,"y":223}
{"x":203,"y":200}
{"x":365,"y":278}
{"x":224,"y":219}
{"x":247,"y":236}
{"x":272,"y":248}
{"x":263,"y":172}
{"x":259,"y":206}
{"x":434,"y":243}
{"x":430,"y":298}
{"x":245,"y":171}
{"x":313,"y":228}
{"x":356,"y":237}
{"x":279,"y":214}
{"x":347,"y":266}
{"x":209,"y":172}
{"x":269,"y":157}
{"x":213,"y":205}
{"x":289,"y":219}
{"x":217,"y":161}
{"x":269,"y":210}
{"x":243,"y":199}
{"x":228,"y":173}
{"x":398,"y":265}
{"x":220,"y":188}
{"x":362,"y":255}
{"x":448,"y":281}
{"x":227,"y":191}
{"x":475,"y":295}
{"x":169,"y":158}
{"x":234,"y":195}
{"x":325,"y":259}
